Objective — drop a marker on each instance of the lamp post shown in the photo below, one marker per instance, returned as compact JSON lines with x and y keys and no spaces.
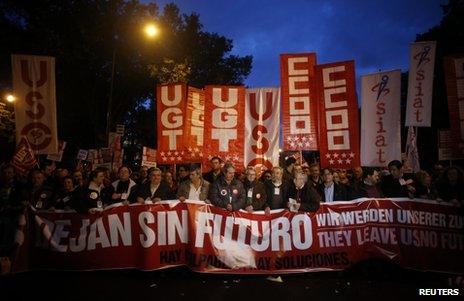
{"x":151,"y":31}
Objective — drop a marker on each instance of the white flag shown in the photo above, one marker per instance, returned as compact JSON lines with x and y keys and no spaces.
{"x":380,"y":118}
{"x":420,"y":84}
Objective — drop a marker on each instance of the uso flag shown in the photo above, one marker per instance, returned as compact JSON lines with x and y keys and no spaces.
{"x":262,"y":113}
{"x":338,"y":115}
{"x":170,"y":112}
{"x":35,"y":107}
{"x":420,"y":84}
{"x":224,"y":126}
{"x":299,"y":105}
{"x":380,"y":118}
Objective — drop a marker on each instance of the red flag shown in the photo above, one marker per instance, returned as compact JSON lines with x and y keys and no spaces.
{"x":224,"y":124}
{"x":23,"y":159}
{"x":338,"y":115}
{"x":299,"y":103}
{"x":194,"y":125}
{"x":171,"y":102}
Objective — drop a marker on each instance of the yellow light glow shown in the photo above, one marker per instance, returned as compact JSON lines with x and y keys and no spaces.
{"x":10,"y":98}
{"x":151,"y":30}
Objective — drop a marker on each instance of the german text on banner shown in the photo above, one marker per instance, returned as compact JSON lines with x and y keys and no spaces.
{"x":423,"y":235}
{"x":380,"y":118}
{"x":338,"y":115}
{"x":299,"y":104}
{"x":454,"y":76}
{"x":35,"y":105}
{"x":194,"y":125}
{"x":262,"y":115}
{"x":420,"y":84}
{"x":224,"y":124}
{"x":171,"y":107}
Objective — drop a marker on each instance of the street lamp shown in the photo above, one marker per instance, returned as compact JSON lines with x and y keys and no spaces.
{"x":10,"y":98}
{"x":151,"y":31}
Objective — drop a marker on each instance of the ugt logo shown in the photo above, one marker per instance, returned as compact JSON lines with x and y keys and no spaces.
{"x":381,"y":88}
{"x":423,"y":56}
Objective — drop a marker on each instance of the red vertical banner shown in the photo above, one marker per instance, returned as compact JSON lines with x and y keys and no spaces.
{"x":224,"y":124}
{"x":454,"y":77}
{"x":194,"y":125}
{"x":171,"y":102}
{"x":299,"y":105}
{"x":338,"y":115}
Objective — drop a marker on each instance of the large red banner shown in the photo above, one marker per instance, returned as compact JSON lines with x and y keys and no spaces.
{"x":299,"y":104}
{"x":224,"y":124}
{"x":171,"y":107}
{"x":419,"y":234}
{"x":338,"y":115}
{"x":194,"y":125}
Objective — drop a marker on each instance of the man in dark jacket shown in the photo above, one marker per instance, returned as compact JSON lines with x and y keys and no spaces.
{"x":306,"y":197}
{"x":369,"y":187}
{"x":395,"y":185}
{"x":227,"y":192}
{"x":255,"y":191}
{"x":276,"y":191}
{"x":154,"y":190}
{"x":215,"y":171}
{"x":329,"y":190}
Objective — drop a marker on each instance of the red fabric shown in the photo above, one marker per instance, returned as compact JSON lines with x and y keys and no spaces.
{"x":194,"y":125}
{"x":338,"y":115}
{"x":411,"y":233}
{"x":224,"y":124}
{"x":171,"y":107}
{"x":299,"y":103}
{"x":23,"y":159}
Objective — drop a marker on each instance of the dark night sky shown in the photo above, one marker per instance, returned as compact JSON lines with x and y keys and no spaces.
{"x":376,"y":34}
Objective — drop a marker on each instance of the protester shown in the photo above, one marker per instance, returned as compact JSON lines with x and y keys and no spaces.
{"x":451,"y":187}
{"x":288,"y":170}
{"x":227,"y":192}
{"x":168,"y":177}
{"x":305,"y":196}
{"x":266,"y":176}
{"x":96,"y":196}
{"x":143,"y":175}
{"x":395,"y":185}
{"x":194,"y":188}
{"x":40,"y":194}
{"x":255,"y":191}
{"x":356,"y":180}
{"x":78,"y":178}
{"x":329,"y":190}
{"x":276,"y":191}
{"x":154,"y":190}
{"x":67,"y":196}
{"x":215,"y":171}
{"x":183,"y":174}
{"x":424,"y":187}
{"x":314,"y":175}
{"x":369,"y":187}
{"x":123,"y":186}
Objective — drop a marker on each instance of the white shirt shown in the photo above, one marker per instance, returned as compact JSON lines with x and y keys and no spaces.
{"x":329,"y":193}
{"x":194,"y":194}
{"x":153,"y":189}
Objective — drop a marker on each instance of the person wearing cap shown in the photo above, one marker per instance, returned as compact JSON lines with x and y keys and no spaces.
{"x":227,"y":192}
{"x":255,"y":191}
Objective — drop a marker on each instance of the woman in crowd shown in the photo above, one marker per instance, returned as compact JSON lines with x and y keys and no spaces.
{"x":451,"y":187}
{"x":424,"y":187}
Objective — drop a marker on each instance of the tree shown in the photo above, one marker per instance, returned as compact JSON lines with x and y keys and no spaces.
{"x":85,"y":35}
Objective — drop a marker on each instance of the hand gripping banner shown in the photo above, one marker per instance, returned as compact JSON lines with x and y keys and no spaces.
{"x":419,"y":234}
{"x":224,"y":124}
{"x":35,"y":106}
{"x":420,"y":84}
{"x":262,"y":115}
{"x":171,"y":107}
{"x":338,"y":115}
{"x":299,"y":104}
{"x":380,"y":118}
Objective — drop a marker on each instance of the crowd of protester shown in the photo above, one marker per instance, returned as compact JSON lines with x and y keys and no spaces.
{"x":295,"y":187}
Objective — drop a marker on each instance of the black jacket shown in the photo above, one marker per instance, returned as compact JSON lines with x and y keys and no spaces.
{"x":274,"y":200}
{"x":221,"y":194}
{"x":340,"y":193}
{"x":307,"y":196}
{"x":143,"y":191}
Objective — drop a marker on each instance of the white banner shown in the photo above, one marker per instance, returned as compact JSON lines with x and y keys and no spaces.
{"x":262,"y":113}
{"x":35,"y":105}
{"x":380,"y":118}
{"x":420,"y":84}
